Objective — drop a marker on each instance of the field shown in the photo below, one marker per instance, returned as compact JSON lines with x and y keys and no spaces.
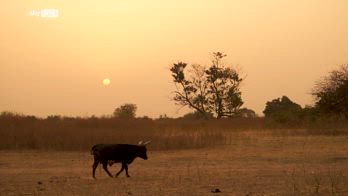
{"x":247,"y":163}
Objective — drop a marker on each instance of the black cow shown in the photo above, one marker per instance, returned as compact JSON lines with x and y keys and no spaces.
{"x":117,"y":153}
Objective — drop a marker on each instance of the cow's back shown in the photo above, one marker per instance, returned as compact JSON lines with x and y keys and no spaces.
{"x":115,"y":152}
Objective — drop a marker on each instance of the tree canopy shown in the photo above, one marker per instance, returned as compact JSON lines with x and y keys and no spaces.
{"x":282,"y":110}
{"x":127,"y":110}
{"x":331,"y":92}
{"x":208,"y":90}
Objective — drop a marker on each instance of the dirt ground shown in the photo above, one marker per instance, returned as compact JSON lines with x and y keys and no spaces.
{"x":308,"y":165}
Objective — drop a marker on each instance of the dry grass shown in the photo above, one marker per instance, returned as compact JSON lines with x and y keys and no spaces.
{"x":60,"y":133}
{"x":254,"y":163}
{"x":19,"y":132}
{"x":238,"y":156}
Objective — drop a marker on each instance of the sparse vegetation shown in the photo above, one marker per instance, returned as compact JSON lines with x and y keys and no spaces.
{"x":240,"y":155}
{"x":253,"y":162}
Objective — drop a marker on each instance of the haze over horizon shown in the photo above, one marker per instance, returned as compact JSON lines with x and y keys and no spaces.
{"x":57,"y":65}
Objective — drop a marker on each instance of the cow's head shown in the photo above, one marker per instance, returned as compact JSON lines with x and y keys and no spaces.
{"x":142,"y":149}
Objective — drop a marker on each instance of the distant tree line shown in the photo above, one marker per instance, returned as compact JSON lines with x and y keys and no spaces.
{"x":331,"y":101}
{"x":214,"y":92}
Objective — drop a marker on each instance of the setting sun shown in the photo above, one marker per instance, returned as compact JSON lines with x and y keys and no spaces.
{"x":106,"y":82}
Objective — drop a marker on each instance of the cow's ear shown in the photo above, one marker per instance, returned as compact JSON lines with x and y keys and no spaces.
{"x":147,"y":142}
{"x":140,"y":143}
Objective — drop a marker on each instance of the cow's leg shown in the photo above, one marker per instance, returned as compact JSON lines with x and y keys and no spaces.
{"x":105,"y":167}
{"x":95,"y":165}
{"x":126,"y":167}
{"x":118,"y":173}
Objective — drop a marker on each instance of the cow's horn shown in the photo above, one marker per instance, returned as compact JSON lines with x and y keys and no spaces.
{"x":147,"y":142}
{"x":140,"y":142}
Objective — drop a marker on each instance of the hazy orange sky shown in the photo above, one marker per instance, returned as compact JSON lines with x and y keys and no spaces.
{"x":56,"y":65}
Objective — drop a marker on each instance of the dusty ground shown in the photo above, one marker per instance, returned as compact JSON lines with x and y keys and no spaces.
{"x":248,"y":166}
